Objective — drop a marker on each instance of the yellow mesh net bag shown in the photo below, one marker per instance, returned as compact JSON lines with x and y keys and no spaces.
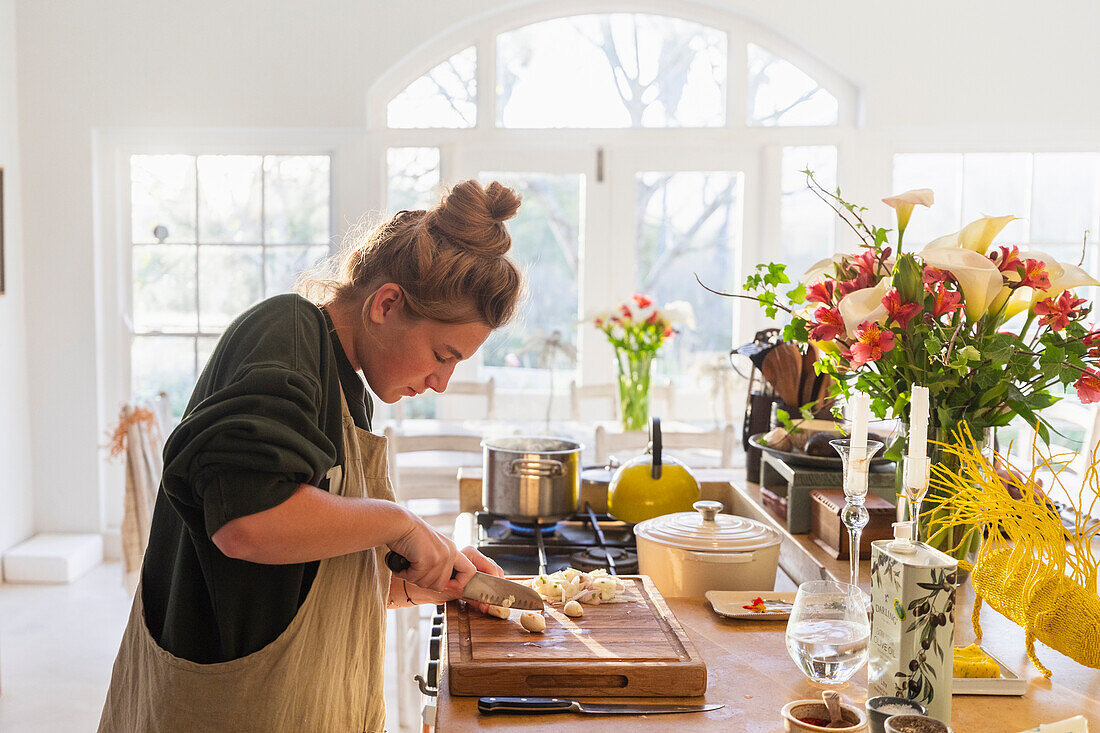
{"x":1030,"y":567}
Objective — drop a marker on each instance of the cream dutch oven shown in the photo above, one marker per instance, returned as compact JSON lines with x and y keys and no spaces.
{"x":689,"y":553}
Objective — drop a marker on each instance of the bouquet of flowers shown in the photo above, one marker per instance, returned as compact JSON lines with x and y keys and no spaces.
{"x":636,"y":330}
{"x":992,"y":331}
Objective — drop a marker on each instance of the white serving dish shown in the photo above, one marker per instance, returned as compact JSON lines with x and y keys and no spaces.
{"x":690,"y":553}
{"x":1009,"y":683}
{"x":731,"y":604}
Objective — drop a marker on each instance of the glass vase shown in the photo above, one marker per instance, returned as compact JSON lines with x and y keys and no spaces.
{"x":959,"y":541}
{"x":635,"y":372}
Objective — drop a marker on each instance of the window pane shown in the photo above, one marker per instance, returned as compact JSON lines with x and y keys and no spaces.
{"x":296,"y":199}
{"x":444,"y":97}
{"x":545,"y":240}
{"x":164,"y":288}
{"x":782,"y":94}
{"x":413,"y":175}
{"x":997,"y":184}
{"x":162,"y":193}
{"x":1064,"y":194}
{"x":230,"y":280}
{"x":229,"y":198}
{"x":941,"y":172}
{"x":163,"y":364}
{"x":613,"y":70}
{"x":689,"y":223}
{"x":807,"y":230}
{"x":283,"y":265}
{"x":206,"y":346}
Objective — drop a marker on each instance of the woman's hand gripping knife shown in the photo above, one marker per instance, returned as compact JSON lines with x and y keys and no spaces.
{"x":314,"y":524}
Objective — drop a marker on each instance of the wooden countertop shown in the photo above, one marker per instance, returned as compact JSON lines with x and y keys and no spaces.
{"x":750,"y":672}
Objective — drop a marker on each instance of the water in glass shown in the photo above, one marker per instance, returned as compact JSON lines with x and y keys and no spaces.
{"x":828,"y":631}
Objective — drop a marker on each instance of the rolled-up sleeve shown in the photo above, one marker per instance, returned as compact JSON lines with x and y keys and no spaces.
{"x":246,"y":447}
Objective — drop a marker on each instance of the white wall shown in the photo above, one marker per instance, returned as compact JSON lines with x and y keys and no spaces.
{"x":1019,"y":69}
{"x":15,"y":445}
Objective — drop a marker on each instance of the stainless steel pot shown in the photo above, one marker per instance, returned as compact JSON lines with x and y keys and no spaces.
{"x":531,"y":479}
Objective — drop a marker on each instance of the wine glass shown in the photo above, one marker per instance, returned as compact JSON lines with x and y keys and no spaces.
{"x":828,"y":631}
{"x":914,"y":487}
{"x":857,"y":462}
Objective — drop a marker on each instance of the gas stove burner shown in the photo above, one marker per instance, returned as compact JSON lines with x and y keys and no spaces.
{"x":521,"y":529}
{"x":595,"y":558}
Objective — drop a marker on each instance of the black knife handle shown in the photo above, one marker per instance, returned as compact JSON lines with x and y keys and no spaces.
{"x":399,"y":564}
{"x":524,"y":705}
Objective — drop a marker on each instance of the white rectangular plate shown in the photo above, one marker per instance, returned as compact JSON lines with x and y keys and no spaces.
{"x":1009,"y":683}
{"x":729,"y":603}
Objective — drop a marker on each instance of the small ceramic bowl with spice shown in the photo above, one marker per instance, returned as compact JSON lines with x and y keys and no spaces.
{"x":915,"y":724}
{"x":881,"y":708}
{"x":811,"y":716}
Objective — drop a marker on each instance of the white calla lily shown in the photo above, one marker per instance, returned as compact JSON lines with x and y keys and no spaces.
{"x":679,"y":312}
{"x":864,"y":305}
{"x":978,"y":277}
{"x":1070,"y":277}
{"x":977,"y":235}
{"x":822,"y":267}
{"x":903,"y":204}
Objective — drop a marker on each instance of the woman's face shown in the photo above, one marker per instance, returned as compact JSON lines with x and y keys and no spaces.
{"x":402,"y":356}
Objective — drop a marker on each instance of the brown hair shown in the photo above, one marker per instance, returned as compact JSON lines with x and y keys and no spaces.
{"x":444,"y":258}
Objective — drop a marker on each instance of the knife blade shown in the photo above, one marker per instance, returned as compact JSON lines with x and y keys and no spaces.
{"x":484,"y":588}
{"x":540,"y":705}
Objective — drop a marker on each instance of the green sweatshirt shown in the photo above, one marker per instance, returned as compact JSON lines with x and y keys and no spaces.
{"x":264,"y":417}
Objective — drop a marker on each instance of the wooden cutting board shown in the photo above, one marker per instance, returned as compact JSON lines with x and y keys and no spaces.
{"x":631,"y":649}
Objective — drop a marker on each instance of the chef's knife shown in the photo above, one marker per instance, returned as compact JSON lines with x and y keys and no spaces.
{"x":539,"y":705}
{"x":483,"y":588}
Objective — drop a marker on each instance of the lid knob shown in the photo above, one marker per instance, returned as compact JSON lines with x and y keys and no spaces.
{"x":709,"y":509}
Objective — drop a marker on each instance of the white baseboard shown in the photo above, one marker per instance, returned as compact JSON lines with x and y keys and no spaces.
{"x":53,"y":558}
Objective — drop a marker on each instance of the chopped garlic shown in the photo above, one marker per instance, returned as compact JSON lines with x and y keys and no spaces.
{"x":574,"y":609}
{"x":532,"y":621}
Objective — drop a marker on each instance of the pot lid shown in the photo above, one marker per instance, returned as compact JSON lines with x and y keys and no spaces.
{"x":706,"y":530}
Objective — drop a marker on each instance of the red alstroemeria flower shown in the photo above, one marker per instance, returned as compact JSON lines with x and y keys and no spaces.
{"x":1035,"y":275}
{"x":1008,"y":260}
{"x":859,"y":282}
{"x":867,"y":262}
{"x":871,"y":343}
{"x":1088,"y":387}
{"x":653,"y":317}
{"x":625,"y":310}
{"x":902,"y":313}
{"x":1092,"y":342}
{"x":668,"y":332}
{"x":642,"y":301}
{"x":934,"y":275}
{"x":821,"y":291}
{"x":829,"y":324}
{"x":945,"y":302}
{"x":1058,"y":313}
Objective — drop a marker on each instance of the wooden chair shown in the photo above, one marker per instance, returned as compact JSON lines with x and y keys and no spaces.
{"x":704,"y":447}
{"x":423,"y":471}
{"x":662,"y":396}
{"x":603,"y":392}
{"x":486,"y":389}
{"x":1069,"y":418}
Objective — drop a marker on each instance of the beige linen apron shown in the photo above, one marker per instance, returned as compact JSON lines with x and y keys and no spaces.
{"x":323,"y":673}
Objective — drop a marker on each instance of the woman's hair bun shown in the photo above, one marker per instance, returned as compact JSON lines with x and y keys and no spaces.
{"x":472,"y":217}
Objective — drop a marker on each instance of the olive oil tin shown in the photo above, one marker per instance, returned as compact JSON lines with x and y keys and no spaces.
{"x":912,"y":624}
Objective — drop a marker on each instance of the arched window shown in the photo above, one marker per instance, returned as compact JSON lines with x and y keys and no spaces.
{"x":650,"y":149}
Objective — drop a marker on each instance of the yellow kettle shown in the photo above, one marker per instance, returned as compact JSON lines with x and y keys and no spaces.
{"x":651,"y":484}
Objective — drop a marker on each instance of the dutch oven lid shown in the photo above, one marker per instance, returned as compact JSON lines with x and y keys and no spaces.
{"x":705,"y":530}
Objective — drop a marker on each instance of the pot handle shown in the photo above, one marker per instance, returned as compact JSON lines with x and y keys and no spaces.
{"x":655,"y":446}
{"x":536,"y":468}
{"x":736,"y":558}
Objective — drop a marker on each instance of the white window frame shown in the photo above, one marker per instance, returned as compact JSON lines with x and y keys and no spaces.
{"x":760,"y":147}
{"x":113,"y":243}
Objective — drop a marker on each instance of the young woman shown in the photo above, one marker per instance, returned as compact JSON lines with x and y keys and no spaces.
{"x":263,"y":594}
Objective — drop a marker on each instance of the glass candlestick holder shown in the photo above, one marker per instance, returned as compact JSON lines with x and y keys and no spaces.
{"x":915,"y":487}
{"x":857,"y":462}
